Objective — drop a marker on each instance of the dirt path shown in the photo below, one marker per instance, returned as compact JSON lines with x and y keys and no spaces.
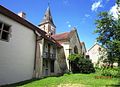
{"x":72,"y":85}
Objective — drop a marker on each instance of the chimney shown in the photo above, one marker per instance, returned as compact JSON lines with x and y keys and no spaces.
{"x":22,"y":15}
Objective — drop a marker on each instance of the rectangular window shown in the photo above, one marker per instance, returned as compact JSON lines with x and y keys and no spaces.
{"x":4,"y":31}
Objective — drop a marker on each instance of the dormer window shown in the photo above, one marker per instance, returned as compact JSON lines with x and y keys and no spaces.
{"x":4,"y":31}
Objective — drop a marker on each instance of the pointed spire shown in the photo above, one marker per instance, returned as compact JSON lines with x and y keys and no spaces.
{"x":47,"y":17}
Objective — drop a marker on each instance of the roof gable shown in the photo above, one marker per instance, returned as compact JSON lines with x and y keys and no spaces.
{"x":66,"y":35}
{"x":96,"y":44}
{"x":62,"y":36}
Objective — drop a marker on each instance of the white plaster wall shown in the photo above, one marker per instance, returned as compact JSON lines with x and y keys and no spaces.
{"x":94,"y":54}
{"x":66,"y":50}
{"x":17,"y":55}
{"x":46,"y":27}
{"x":41,"y":27}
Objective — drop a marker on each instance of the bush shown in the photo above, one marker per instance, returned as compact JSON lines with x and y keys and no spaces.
{"x":79,"y":64}
{"x":86,"y":66}
{"x":114,"y":72}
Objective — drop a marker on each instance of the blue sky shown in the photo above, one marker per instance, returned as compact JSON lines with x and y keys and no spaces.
{"x":66,"y":14}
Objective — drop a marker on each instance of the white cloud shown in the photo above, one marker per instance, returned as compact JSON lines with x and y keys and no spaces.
{"x":96,"y":5}
{"x":67,"y":22}
{"x":113,"y":11}
{"x":87,"y":15}
{"x":69,"y":25}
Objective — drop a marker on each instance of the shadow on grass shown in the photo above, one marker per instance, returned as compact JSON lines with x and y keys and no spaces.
{"x":20,"y":83}
{"x":28,"y":81}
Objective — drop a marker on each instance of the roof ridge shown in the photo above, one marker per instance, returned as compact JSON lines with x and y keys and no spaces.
{"x":61,"y":33}
{"x":15,"y":17}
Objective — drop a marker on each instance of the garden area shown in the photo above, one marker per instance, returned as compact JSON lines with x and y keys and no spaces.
{"x":82,"y":74}
{"x":73,"y":80}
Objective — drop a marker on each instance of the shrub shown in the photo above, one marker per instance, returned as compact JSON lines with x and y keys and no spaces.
{"x":79,"y":64}
{"x":114,"y":72}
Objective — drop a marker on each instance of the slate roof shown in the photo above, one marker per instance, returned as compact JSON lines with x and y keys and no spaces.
{"x":47,"y":18}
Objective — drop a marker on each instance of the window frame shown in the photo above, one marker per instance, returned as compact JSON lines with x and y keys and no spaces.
{"x":5,"y":31}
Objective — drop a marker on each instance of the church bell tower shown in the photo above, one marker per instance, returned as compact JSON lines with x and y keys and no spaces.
{"x":47,"y":23}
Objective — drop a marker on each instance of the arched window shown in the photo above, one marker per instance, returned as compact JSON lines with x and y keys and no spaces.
{"x":75,"y":49}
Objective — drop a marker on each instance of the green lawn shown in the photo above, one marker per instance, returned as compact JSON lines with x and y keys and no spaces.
{"x":72,"y":80}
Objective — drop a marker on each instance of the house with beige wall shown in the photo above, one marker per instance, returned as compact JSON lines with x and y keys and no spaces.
{"x":97,"y":54}
{"x":26,"y":51}
{"x":17,"y":48}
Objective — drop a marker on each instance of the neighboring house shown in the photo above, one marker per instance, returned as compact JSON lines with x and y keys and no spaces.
{"x":97,"y":53}
{"x":25,"y":50}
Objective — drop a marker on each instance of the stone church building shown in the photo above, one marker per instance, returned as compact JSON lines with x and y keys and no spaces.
{"x":28,"y":51}
{"x":68,"y":40}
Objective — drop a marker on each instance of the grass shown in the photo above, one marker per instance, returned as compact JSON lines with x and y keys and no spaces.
{"x":81,"y":80}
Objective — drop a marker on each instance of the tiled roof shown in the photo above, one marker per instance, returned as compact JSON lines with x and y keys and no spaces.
{"x":82,"y":43}
{"x":62,"y":36}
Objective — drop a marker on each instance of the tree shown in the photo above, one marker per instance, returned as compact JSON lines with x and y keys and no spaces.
{"x":108,"y":30}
